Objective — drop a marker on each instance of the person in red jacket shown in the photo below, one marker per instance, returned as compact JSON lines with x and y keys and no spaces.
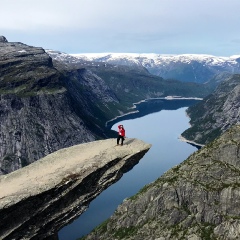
{"x":121,"y":134}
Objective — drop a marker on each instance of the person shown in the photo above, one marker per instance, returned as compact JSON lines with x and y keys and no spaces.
{"x":121,"y":134}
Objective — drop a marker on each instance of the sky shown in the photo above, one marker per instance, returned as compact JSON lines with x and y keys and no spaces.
{"x":124,"y":26}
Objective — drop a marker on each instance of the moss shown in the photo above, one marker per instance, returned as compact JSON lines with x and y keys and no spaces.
{"x":9,"y":157}
{"x":125,"y":232}
{"x":24,"y":162}
{"x":207,"y":232}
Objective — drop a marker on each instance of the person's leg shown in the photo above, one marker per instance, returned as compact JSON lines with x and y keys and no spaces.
{"x":122,"y":138}
{"x":118,"y":138}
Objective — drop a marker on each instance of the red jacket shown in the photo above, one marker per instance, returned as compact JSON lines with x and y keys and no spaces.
{"x":121,"y":131}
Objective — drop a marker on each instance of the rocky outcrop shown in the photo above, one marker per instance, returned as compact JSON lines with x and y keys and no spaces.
{"x":27,"y":70}
{"x":216,"y":113}
{"x":198,"y":199}
{"x":32,"y":127}
{"x":3,"y":39}
{"x":37,"y":200}
{"x":38,"y":114}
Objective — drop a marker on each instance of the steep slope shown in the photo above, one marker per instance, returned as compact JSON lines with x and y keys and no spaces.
{"x":216,"y":113}
{"x":198,"y":199}
{"x":38,"y":200}
{"x":39,"y":111}
{"x":185,"y":67}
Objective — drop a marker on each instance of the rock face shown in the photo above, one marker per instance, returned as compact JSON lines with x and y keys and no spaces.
{"x":216,"y":113}
{"x":3,"y":39}
{"x":36,"y":126}
{"x":37,"y":112}
{"x":38,"y":200}
{"x":198,"y":199}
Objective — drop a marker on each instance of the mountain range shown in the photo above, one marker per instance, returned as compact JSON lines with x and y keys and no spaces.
{"x":51,"y":100}
{"x":198,"y":68}
{"x":47,"y":104}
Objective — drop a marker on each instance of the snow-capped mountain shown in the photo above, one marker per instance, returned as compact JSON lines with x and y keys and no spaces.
{"x":185,"y":67}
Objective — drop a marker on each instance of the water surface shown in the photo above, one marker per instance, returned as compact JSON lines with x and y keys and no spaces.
{"x":162,"y":130}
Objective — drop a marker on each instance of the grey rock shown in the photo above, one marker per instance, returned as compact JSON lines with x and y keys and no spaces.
{"x":198,"y":199}
{"x":38,"y":200}
{"x":3,"y":39}
{"x":42,"y":109}
{"x":33,"y":127}
{"x":216,"y":113}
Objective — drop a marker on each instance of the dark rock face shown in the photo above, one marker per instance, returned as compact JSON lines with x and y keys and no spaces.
{"x":216,"y":113}
{"x":38,"y":200}
{"x":36,"y":126}
{"x":37,"y":112}
{"x":27,"y":70}
{"x":198,"y":199}
{"x":3,"y":39}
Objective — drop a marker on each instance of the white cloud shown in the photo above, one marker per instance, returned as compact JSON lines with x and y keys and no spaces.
{"x":114,"y":22}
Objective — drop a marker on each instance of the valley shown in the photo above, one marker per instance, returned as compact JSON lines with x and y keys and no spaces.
{"x":51,"y":101}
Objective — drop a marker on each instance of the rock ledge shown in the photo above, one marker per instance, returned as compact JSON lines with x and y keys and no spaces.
{"x":48,"y":194}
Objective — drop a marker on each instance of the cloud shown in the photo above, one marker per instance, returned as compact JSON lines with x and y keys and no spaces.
{"x":141,"y":25}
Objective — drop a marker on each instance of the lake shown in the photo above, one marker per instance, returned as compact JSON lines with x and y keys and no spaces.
{"x":161,"y":127}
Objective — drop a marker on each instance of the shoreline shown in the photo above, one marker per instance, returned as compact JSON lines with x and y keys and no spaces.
{"x":183,"y":139}
{"x":145,"y":100}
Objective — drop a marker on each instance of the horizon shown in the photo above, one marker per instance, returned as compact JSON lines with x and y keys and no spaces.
{"x":164,"y":54}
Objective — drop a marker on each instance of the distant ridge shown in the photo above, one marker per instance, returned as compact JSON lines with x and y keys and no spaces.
{"x":198,"y":68}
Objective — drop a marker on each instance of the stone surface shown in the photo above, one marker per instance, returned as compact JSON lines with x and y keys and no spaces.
{"x":42,"y":110}
{"x":198,"y":199}
{"x":216,"y":113}
{"x":36,"y":201}
{"x":3,"y":39}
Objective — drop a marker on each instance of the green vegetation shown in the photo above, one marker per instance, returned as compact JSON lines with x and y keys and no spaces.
{"x":125,"y":232}
{"x":207,"y":231}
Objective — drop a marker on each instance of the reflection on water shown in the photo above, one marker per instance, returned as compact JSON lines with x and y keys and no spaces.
{"x":162,"y":130}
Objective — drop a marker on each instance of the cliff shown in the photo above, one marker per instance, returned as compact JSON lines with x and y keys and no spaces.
{"x":47,"y":104}
{"x":37,"y":200}
{"x":216,"y":113}
{"x":41,"y":110}
{"x":198,"y":199}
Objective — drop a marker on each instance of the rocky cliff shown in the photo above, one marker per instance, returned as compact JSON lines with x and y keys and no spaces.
{"x":42,"y":110}
{"x":216,"y":113}
{"x":198,"y":199}
{"x":38,"y":200}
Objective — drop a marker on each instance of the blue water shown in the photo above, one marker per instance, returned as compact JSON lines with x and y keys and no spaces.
{"x":162,"y":130}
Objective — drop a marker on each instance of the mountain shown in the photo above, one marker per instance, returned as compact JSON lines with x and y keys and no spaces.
{"x":197,"y":199}
{"x":41,"y":109}
{"x":216,"y":113}
{"x":185,"y":67}
{"x":130,"y":83}
{"x":48,"y":103}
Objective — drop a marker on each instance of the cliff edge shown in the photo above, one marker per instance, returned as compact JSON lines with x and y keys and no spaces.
{"x":38,"y":200}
